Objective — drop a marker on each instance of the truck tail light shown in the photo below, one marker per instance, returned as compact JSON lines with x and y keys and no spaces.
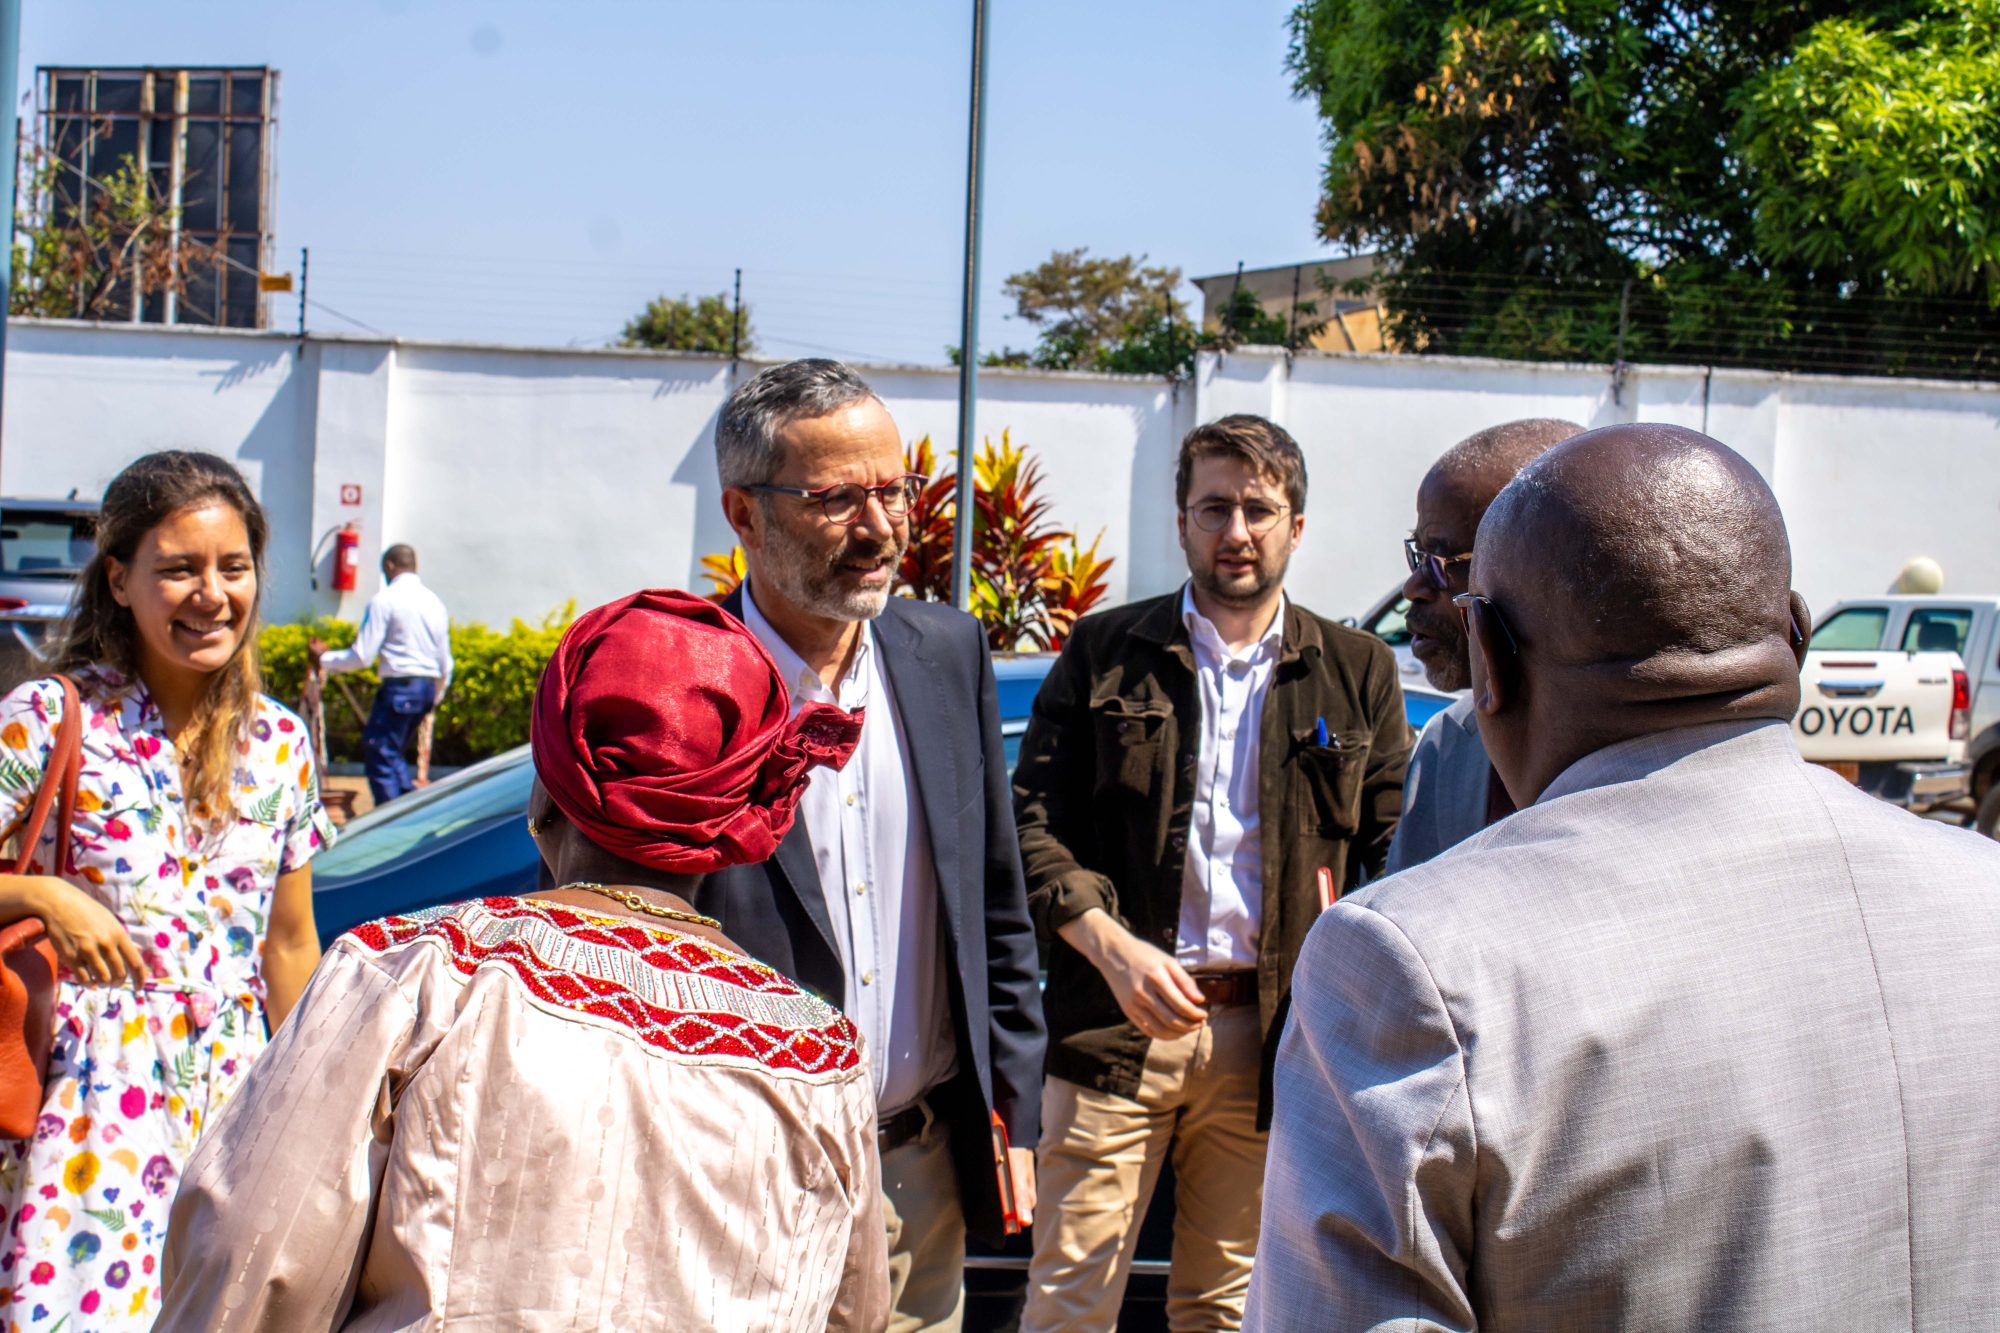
{"x":12,"y":603}
{"x":1961,"y":706}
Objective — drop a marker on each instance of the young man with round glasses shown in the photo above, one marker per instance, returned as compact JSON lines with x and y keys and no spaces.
{"x":1202,"y":773}
{"x":897,"y":894}
{"x":1450,"y":793}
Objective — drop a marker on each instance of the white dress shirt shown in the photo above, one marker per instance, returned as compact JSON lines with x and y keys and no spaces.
{"x":405,"y":624}
{"x":872,"y":847}
{"x":1222,"y":882}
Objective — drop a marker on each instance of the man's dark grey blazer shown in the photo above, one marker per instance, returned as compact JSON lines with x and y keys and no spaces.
{"x":941,"y":675}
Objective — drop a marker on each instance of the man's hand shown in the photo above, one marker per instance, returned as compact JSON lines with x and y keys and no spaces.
{"x":1156,"y":993}
{"x":1021,"y":1166}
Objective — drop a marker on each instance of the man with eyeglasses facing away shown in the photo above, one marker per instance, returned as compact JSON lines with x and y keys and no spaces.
{"x":898,"y":893}
{"x":1202,"y":773}
{"x":1451,"y":793}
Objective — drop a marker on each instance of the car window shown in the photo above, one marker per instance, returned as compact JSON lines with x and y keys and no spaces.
{"x":1938,"y":629}
{"x":34,"y":543}
{"x":427,"y":818}
{"x":1391,"y":623}
{"x":1858,"y":629}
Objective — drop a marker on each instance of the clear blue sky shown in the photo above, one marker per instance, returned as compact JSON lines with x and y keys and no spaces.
{"x":534,"y":172}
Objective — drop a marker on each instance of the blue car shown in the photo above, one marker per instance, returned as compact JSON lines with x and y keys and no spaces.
{"x":466,"y":836}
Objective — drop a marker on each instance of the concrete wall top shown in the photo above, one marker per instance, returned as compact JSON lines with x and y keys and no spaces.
{"x":528,"y":477}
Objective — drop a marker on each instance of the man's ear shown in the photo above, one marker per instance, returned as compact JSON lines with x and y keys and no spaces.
{"x":1801,"y":628}
{"x":740,"y":508}
{"x":1496,"y":669}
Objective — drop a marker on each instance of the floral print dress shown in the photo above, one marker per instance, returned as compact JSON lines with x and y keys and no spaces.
{"x":134,"y":1076}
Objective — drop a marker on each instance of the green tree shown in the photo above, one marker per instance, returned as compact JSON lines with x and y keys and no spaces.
{"x":1875,"y":152}
{"x":1718,"y":180}
{"x":1243,"y":319}
{"x":690,"y":324}
{"x":1082,"y":307}
{"x":1009,"y":358}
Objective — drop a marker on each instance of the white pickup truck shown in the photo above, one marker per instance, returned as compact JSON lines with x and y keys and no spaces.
{"x":1892,"y":698}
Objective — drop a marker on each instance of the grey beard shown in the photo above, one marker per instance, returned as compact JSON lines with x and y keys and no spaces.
{"x":809,"y":585}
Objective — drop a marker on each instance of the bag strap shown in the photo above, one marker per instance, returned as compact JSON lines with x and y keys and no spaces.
{"x":59,"y":784}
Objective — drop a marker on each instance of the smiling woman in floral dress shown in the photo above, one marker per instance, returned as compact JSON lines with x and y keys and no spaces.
{"x":184,"y":917}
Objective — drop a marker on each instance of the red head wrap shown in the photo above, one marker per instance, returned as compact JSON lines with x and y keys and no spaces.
{"x":663,"y":731}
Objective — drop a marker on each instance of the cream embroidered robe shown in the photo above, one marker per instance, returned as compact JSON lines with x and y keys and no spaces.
{"x":508,"y":1114}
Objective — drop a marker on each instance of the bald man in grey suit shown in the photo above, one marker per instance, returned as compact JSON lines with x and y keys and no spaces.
{"x":1702,"y":1037}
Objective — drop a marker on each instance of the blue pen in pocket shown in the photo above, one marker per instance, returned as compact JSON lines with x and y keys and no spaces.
{"x":1319,"y":731}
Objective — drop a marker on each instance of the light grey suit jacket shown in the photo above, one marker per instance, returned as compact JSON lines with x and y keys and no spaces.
{"x":1445,"y":788}
{"x":1705,"y":1039}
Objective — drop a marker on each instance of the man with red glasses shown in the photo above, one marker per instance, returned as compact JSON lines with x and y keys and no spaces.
{"x":898,"y":892}
{"x":1449,"y":793}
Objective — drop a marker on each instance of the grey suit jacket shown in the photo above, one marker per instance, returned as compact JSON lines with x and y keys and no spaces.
{"x":1445,"y":788}
{"x":1705,"y":1039}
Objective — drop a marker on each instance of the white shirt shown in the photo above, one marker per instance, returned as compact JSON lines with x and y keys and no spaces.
{"x":406,"y":625}
{"x":872,"y":847}
{"x":1222,"y":882}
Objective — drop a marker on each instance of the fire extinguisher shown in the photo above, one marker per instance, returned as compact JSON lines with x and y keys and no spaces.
{"x":346,"y":558}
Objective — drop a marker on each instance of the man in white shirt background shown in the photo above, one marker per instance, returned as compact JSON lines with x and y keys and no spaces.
{"x":406,"y":629}
{"x":1202,"y":772}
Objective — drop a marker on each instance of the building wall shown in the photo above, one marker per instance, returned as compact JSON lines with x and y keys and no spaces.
{"x":84,"y":400}
{"x":1349,"y":323}
{"x":1870,"y":472}
{"x":530,"y":478}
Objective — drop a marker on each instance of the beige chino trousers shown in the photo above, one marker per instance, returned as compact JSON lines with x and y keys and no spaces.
{"x":926,"y":1224}
{"x":1100,"y":1158}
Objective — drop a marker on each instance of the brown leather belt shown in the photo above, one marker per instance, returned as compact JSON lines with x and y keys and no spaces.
{"x":901,"y":1128}
{"x":1226,"y":988}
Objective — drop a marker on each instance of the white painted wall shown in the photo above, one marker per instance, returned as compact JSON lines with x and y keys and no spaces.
{"x":1870,"y":472}
{"x":528,"y":478}
{"x":83,"y":400}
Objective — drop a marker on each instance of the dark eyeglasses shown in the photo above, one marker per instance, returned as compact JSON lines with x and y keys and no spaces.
{"x":1465,"y":601}
{"x":843,"y":503}
{"x":1258,"y":517}
{"x":1434,"y":566}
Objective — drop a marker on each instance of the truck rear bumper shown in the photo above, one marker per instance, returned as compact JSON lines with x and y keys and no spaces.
{"x":1917,"y":786}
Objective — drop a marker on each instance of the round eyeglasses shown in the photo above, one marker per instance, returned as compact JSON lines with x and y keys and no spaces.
{"x":1436,"y":568}
{"x":1258,"y":516}
{"x":844,"y":502}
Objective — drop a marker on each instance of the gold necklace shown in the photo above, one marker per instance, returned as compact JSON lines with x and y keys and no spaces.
{"x":632,"y":900}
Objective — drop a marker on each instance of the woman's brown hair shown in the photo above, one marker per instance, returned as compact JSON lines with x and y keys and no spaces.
{"x":99,"y":630}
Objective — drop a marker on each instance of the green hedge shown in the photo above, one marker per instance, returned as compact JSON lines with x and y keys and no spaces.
{"x":485,"y":711}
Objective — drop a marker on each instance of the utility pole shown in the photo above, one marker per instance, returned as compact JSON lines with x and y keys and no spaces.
{"x":736,"y":318}
{"x":305,"y":272}
{"x":10,"y":58}
{"x":968,"y":335}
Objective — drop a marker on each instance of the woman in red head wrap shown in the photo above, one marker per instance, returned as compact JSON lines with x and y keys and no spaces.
{"x":585,"y":1108}
{"x":661,"y":734}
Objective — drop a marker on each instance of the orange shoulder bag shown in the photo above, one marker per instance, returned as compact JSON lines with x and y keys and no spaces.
{"x":27,"y":959}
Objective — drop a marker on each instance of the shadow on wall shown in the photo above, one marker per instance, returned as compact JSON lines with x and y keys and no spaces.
{"x":249,"y":367}
{"x":697,"y":472}
{"x":275,"y":454}
{"x":1156,"y":563}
